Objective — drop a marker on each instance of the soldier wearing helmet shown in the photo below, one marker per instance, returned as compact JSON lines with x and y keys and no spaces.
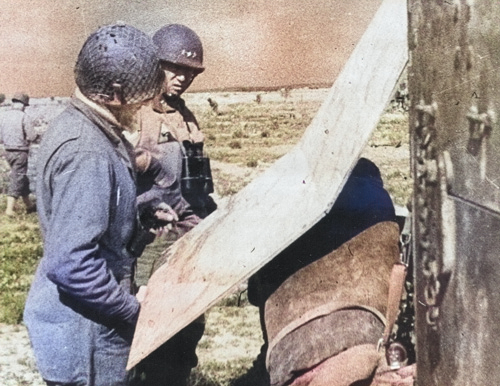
{"x":80,"y":310}
{"x":170,"y":135}
{"x":17,"y":133}
{"x":170,"y":127}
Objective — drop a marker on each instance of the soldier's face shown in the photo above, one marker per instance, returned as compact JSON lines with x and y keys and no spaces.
{"x":177,"y":78}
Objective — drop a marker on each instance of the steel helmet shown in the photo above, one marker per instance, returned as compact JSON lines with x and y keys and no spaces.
{"x":180,"y":45}
{"x":118,"y":61}
{"x":21,"y":97}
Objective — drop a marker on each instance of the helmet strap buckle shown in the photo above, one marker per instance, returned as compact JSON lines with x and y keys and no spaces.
{"x":118,"y":97}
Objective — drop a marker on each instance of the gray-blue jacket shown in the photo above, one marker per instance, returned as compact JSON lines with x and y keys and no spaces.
{"x":80,"y":296}
{"x":16,"y":129}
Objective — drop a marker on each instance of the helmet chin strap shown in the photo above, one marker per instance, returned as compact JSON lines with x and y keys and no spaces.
{"x":118,"y":97}
{"x":172,"y":96}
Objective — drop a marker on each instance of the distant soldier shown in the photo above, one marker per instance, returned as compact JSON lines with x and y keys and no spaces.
{"x":213,"y":105}
{"x":401,"y":97}
{"x":16,"y":133}
{"x":169,"y":146}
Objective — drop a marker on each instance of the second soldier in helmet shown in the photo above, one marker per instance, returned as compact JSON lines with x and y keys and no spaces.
{"x":169,"y":150}
{"x":169,"y":130}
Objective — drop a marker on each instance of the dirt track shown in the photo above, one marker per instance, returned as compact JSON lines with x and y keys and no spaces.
{"x":17,"y":365}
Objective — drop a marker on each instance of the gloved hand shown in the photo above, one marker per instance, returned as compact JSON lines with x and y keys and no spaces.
{"x":165,"y":214}
{"x":141,"y":293}
{"x":179,"y":227}
{"x":165,"y":219}
{"x":185,"y":224}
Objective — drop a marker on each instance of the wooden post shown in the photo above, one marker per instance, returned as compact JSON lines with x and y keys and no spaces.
{"x":276,"y":208}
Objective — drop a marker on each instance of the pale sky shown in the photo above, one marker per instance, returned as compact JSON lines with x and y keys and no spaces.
{"x":252,"y":43}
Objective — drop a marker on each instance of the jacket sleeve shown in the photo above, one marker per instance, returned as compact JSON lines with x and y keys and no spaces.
{"x":81,"y":199}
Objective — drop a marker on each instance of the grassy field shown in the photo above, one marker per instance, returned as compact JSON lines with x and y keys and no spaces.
{"x":244,"y":140}
{"x":244,"y":137}
{"x":20,"y":250}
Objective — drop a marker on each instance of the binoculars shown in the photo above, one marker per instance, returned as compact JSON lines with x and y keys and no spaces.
{"x":196,"y":176}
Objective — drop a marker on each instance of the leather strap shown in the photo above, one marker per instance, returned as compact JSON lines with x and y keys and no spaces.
{"x":396,"y":284}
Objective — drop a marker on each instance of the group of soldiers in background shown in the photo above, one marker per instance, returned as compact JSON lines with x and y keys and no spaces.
{"x":17,"y":132}
{"x":128,"y":148}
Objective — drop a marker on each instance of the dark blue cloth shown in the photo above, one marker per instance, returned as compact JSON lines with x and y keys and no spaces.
{"x":363,"y":202}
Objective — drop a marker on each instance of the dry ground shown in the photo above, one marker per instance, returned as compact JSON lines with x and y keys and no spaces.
{"x":232,"y":339}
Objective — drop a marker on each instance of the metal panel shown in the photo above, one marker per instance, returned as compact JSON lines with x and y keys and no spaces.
{"x":454,"y":82}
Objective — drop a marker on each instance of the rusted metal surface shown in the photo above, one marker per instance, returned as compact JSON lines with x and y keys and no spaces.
{"x":454,"y":84}
{"x":279,"y":206}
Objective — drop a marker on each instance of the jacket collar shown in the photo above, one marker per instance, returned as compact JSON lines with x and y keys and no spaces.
{"x":166,"y":104}
{"x":107,"y":123}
